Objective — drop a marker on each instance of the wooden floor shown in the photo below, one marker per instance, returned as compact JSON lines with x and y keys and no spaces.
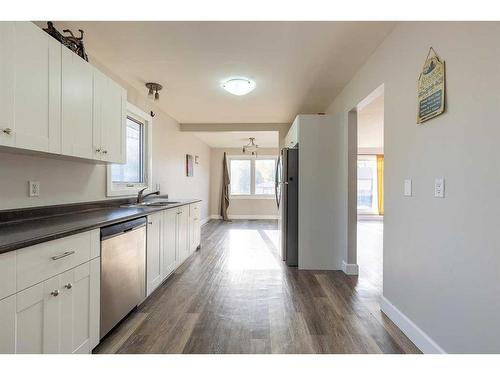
{"x":236,"y":296}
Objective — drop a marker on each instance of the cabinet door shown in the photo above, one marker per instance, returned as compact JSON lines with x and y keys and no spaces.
{"x":7,"y":83}
{"x":37,"y":89}
{"x":76,"y":309}
{"x":8,"y":325}
{"x":153,"y":252}
{"x":99,"y":92}
{"x":77,"y":91}
{"x":114,"y":123}
{"x":183,"y":233}
{"x":197,"y":233}
{"x":169,"y":253}
{"x":38,"y":318}
{"x":109,"y":119}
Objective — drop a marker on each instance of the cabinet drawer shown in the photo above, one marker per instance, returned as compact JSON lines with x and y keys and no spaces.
{"x":40,"y":262}
{"x":194,"y":210}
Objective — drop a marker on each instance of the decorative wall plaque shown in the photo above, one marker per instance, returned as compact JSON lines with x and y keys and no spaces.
{"x":431,"y":88}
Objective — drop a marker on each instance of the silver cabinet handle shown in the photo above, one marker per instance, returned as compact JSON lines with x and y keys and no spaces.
{"x":97,"y":150}
{"x":104,"y":151}
{"x":68,"y":286}
{"x":55,"y":293}
{"x":63,"y":255}
{"x":7,"y":131}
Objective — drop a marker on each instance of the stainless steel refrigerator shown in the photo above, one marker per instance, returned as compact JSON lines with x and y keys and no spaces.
{"x":287,"y":199}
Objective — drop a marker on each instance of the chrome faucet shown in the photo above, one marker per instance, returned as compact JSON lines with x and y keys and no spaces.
{"x":140,"y":196}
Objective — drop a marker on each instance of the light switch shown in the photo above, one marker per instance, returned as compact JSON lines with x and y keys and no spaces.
{"x":34,"y":188}
{"x":407,"y":190}
{"x":439,"y":188}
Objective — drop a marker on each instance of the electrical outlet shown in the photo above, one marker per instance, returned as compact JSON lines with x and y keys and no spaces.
{"x":34,"y":188}
{"x":157,"y":187}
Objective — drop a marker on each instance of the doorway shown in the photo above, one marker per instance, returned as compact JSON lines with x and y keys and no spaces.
{"x":367,"y":155}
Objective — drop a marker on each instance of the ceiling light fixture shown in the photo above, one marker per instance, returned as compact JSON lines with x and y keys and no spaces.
{"x":251,"y":147}
{"x":153,"y":89}
{"x":238,"y":85}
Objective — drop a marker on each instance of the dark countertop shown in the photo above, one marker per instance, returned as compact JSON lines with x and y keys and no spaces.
{"x":16,"y":234}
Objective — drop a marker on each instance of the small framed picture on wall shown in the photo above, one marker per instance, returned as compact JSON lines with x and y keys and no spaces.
{"x":189,"y":165}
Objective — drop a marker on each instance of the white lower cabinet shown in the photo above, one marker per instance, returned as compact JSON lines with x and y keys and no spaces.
{"x":172,"y":234}
{"x":37,"y":316}
{"x":194,"y":226}
{"x":169,"y":245}
{"x":8,"y":325}
{"x":80,"y":308}
{"x":153,"y":252}
{"x":183,"y":233}
{"x":57,"y":315}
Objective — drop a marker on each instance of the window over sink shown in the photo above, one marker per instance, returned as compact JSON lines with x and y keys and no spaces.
{"x":128,"y":179}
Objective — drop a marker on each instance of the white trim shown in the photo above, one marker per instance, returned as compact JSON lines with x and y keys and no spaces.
{"x":116,"y":189}
{"x":247,"y":217}
{"x":422,"y":340}
{"x":205,"y":220}
{"x":350,"y":268}
{"x":363,"y":217}
{"x":255,"y":196}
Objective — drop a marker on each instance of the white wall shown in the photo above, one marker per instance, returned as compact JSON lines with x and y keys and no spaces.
{"x":252,"y":208}
{"x":65,"y":181}
{"x":322,"y":192}
{"x":441,"y":256}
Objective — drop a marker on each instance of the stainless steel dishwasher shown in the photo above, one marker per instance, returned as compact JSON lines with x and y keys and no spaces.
{"x":123,"y":259}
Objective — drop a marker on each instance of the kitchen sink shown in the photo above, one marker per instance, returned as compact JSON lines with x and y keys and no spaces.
{"x":152,"y":204}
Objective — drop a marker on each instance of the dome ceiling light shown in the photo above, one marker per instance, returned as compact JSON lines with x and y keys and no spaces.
{"x":238,"y":85}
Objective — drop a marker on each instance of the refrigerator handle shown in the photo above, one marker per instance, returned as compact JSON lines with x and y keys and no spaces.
{"x":276,"y":182}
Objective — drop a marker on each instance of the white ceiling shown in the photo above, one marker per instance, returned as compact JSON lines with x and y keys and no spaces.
{"x":264,"y":139}
{"x":299,"y":67}
{"x":371,"y":124}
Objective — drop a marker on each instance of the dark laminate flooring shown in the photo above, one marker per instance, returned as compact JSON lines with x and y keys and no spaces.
{"x":236,"y":296}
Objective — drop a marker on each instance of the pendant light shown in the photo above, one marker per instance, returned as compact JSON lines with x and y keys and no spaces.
{"x":153,"y":90}
{"x":251,"y":147}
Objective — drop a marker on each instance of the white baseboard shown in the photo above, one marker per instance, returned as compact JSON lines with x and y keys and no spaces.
{"x":205,"y":220}
{"x":364,"y":217}
{"x":350,"y":268}
{"x":422,"y":340}
{"x":247,"y":217}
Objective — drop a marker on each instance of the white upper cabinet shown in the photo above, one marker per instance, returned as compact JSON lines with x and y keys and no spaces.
{"x":7,"y":83}
{"x":110,"y":101}
{"x":51,"y":100}
{"x":30,"y":88}
{"x":292,"y":137}
{"x":77,"y":101}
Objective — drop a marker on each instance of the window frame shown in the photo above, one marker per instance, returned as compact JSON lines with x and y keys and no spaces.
{"x":374,"y":209}
{"x":116,"y":189}
{"x":252,"y":159}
